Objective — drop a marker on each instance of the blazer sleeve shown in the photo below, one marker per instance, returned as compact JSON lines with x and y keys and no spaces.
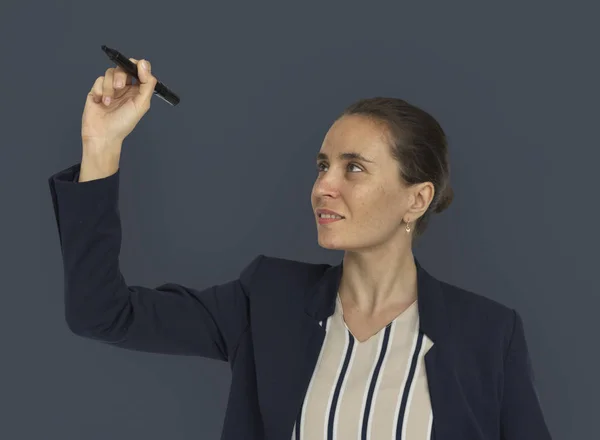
{"x":170,"y":318}
{"x":521,"y":414}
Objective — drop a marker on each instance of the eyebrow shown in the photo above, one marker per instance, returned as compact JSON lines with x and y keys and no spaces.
{"x":345,"y":156}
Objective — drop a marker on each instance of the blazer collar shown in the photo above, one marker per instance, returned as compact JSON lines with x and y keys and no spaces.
{"x":320,"y":300}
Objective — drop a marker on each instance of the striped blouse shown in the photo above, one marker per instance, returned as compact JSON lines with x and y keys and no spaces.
{"x":375,"y":389}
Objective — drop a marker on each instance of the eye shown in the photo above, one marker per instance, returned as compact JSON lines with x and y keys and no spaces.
{"x":351,"y":164}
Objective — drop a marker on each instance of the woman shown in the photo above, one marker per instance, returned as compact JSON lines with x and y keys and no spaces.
{"x":373,"y":348}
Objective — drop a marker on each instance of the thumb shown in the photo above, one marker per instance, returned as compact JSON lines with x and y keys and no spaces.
{"x":147,"y":83}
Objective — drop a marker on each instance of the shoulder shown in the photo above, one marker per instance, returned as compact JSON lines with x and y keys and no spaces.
{"x":278,"y":285}
{"x":272,"y":270}
{"x":478,"y":319}
{"x":465,"y":303}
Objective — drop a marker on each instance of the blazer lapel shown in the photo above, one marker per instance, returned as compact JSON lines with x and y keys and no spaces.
{"x":452,"y":416}
{"x":305,"y":336}
{"x":284,"y":379}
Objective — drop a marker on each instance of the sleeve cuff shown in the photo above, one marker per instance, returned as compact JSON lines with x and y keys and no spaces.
{"x":80,"y":202}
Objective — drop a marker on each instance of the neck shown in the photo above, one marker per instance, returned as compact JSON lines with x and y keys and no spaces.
{"x":371,"y":283}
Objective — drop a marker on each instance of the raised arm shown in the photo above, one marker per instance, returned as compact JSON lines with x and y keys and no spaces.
{"x":100,"y":305}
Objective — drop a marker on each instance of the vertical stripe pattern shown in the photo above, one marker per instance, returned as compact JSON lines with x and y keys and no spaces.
{"x":372,"y":381}
{"x":369,"y":390}
{"x":333,"y":406}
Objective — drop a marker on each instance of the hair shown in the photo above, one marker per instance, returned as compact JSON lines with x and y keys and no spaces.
{"x":418,"y":144}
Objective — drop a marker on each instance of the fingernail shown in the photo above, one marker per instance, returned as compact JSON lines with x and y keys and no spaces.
{"x":144,"y":65}
{"x":119,"y":84}
{"x":107,"y":100}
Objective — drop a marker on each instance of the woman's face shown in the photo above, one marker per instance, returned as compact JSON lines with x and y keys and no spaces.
{"x":368,"y":194}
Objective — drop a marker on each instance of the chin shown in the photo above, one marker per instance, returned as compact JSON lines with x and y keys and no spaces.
{"x":329,"y":244}
{"x":333,"y":248}
{"x":334,"y":243}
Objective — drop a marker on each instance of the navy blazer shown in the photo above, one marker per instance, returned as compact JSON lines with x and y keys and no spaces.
{"x":265,"y":324}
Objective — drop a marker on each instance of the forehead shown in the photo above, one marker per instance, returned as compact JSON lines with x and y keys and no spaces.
{"x":356,"y":135}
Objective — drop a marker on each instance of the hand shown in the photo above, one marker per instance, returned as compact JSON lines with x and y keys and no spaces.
{"x":109,"y":123}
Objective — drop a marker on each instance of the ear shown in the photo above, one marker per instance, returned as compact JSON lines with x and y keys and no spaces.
{"x":421,"y":197}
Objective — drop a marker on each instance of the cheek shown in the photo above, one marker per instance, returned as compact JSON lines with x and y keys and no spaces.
{"x":381,"y":207}
{"x":371,"y":204}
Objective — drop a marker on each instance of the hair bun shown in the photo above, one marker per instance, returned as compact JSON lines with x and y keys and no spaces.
{"x":445,"y":200}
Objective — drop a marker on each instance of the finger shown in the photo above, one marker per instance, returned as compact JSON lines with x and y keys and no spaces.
{"x":147,"y":83}
{"x":107,"y":86}
{"x":96,"y":91}
{"x":121,"y":78}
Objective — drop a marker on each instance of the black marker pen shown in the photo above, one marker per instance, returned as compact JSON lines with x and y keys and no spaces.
{"x":121,"y":60}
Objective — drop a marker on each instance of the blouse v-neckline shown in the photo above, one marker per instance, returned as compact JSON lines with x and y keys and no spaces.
{"x":339,"y":311}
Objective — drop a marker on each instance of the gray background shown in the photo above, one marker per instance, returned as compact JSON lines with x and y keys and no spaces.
{"x":514,"y":84}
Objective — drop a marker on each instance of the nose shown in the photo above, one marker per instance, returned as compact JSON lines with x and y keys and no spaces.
{"x":324,"y":189}
{"x":326,"y":183}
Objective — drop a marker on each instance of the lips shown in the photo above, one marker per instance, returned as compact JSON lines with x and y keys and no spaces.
{"x":328,"y":211}
{"x":323,"y":221}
